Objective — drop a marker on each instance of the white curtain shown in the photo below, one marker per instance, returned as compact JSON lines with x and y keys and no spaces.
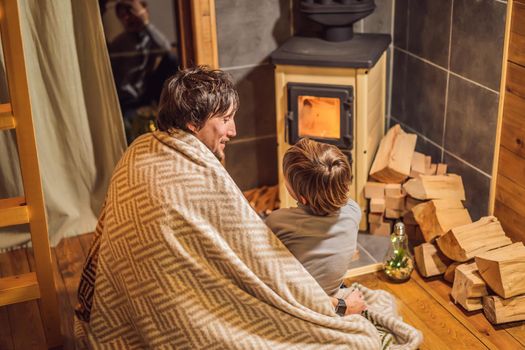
{"x":77,"y":119}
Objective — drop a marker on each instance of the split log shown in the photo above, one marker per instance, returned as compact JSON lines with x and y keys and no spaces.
{"x":431,"y":170}
{"x":462,"y":243}
{"x":411,"y":202}
{"x":418,"y":165}
{"x":441,"y":169}
{"x":392,"y":161}
{"x":395,"y":202}
{"x":393,"y":213}
{"x":394,"y":190}
{"x":504,"y":269}
{"x":436,"y":187}
{"x":437,"y":216}
{"x":468,"y":287}
{"x":374,"y":190}
{"x":451,"y":272}
{"x":499,"y":310}
{"x":382,"y":229}
{"x":429,"y":260}
{"x":377,"y":205}
{"x":408,"y":219}
{"x":414,"y":235}
{"x":375,"y":218}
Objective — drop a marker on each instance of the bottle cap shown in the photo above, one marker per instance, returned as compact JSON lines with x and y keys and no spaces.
{"x":399,"y":228}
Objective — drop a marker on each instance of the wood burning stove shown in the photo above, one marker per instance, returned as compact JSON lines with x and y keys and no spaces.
{"x":334,"y":92}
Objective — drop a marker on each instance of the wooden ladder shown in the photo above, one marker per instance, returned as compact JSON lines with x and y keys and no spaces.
{"x":29,"y":209}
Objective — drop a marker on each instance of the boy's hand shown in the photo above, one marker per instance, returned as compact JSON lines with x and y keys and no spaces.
{"x":355,"y":303}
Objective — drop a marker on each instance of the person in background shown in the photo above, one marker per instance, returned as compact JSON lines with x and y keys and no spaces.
{"x":322,"y":231}
{"x":141,"y":59}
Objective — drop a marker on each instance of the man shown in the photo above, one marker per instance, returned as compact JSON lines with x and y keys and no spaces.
{"x":141,"y":59}
{"x":181,"y":260}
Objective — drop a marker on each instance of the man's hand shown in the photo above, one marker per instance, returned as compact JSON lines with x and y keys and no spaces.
{"x":355,"y":303}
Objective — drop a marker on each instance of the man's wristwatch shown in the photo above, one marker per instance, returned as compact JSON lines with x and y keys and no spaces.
{"x":340,"y":309}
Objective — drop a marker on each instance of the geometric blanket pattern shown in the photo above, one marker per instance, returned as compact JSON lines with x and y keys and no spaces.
{"x":181,"y":260}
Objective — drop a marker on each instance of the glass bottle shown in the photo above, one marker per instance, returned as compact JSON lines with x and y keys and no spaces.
{"x":398,"y":262}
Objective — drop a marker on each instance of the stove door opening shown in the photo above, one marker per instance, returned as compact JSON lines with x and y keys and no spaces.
{"x":320,"y":112}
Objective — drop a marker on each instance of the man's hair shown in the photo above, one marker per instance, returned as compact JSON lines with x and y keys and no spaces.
{"x":320,"y":173}
{"x":194,"y":95}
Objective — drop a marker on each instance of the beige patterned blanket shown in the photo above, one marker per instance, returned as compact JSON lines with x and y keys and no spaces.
{"x":182,"y":261}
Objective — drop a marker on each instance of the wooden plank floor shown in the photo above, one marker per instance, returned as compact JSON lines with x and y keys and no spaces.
{"x":422,"y":303}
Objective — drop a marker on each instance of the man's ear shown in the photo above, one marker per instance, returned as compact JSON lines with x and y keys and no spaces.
{"x":191,"y":127}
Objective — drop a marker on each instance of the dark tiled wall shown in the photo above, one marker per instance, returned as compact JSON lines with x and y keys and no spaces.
{"x":247,"y":32}
{"x":446,"y":77}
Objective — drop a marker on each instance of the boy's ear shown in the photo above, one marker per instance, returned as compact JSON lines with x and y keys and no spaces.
{"x":303,"y":200}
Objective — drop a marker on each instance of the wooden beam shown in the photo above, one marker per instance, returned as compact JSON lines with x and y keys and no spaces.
{"x":19,"y":288}
{"x":7,"y":121}
{"x":13,"y":211}
{"x":204,"y":33}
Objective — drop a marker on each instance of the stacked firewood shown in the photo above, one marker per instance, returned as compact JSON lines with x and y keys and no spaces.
{"x":263,"y":199}
{"x":486,"y":268}
{"x":396,"y":162}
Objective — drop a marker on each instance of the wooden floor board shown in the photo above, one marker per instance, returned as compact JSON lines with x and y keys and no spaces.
{"x":424,"y":303}
{"x":66,"y":311}
{"x":439,"y":323}
{"x":475,"y":320}
{"x":70,"y":258}
{"x":24,"y":318}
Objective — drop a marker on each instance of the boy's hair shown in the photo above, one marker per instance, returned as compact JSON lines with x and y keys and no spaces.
{"x":320,"y":173}
{"x":194,"y":95}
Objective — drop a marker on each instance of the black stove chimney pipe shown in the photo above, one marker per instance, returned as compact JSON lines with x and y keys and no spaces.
{"x":337,"y":16}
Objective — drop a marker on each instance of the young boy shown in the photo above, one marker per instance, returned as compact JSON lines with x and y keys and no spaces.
{"x":322,"y":231}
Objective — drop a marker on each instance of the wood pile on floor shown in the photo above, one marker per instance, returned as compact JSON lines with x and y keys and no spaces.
{"x":401,"y":179}
{"x":263,"y":199}
{"x":486,"y":268}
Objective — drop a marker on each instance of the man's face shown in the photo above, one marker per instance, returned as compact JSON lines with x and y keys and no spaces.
{"x":130,"y":21}
{"x":218,"y":130}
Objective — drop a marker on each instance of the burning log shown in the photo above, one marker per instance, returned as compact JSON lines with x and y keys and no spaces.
{"x":437,"y":216}
{"x":393,"y":158}
{"x":462,"y":243}
{"x":504,"y":269}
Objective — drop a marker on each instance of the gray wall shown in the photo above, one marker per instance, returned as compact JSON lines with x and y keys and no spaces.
{"x":443,"y":80}
{"x":247,"y":32}
{"x":447,"y":67}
